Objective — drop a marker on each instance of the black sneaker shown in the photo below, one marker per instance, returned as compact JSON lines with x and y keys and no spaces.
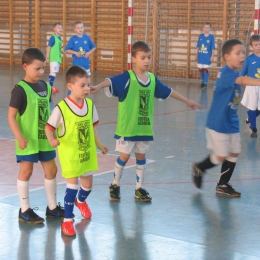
{"x":197,"y":175}
{"x":143,"y":195}
{"x":202,"y":85}
{"x":30,"y":216}
{"x":114,"y":191}
{"x":58,"y":212}
{"x":227,"y":190}
{"x":254,"y":133}
{"x":248,"y":123}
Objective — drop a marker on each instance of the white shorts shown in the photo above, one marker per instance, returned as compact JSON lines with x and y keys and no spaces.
{"x":223,"y":144}
{"x":251,"y":97}
{"x":54,"y":67}
{"x":128,"y":146}
{"x":203,"y":66}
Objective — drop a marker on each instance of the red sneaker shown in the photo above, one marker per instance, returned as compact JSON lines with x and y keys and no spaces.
{"x":54,"y":90}
{"x":67,"y":229}
{"x":84,"y":209}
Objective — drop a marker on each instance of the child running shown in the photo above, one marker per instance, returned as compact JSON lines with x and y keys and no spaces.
{"x":222,"y":127}
{"x":136,"y":90}
{"x":75,"y":119}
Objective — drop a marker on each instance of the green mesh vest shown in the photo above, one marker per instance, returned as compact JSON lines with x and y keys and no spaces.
{"x":56,"y":50}
{"x":32,"y":122}
{"x":77,"y":149}
{"x":135,"y":112}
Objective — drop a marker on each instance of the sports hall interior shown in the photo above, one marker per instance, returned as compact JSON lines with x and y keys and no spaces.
{"x":182,"y":222}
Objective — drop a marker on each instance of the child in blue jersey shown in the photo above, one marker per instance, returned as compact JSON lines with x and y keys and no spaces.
{"x":136,"y":90}
{"x":75,"y":119}
{"x":54,"y":54}
{"x":222,"y":127}
{"x":28,"y":113}
{"x":251,"y":97}
{"x":205,"y":53}
{"x":81,"y":47}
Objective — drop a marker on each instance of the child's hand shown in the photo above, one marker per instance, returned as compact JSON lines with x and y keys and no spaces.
{"x":54,"y":142}
{"x":193,"y":104}
{"x":23,"y":143}
{"x":77,"y":54}
{"x":93,"y":89}
{"x":104,"y":149}
{"x":86,"y":55}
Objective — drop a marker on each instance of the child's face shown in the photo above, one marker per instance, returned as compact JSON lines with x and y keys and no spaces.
{"x":58,"y":29}
{"x":34,"y":71}
{"x":142,"y":60}
{"x":206,"y":28}
{"x":79,"y":29}
{"x":236,"y":57}
{"x":80,"y":88}
{"x":256,"y":47}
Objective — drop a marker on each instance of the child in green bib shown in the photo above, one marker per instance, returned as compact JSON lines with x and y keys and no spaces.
{"x":76,"y":138}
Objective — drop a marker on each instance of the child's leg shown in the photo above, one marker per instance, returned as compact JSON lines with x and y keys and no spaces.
{"x":25,"y":173}
{"x":140,"y":167}
{"x":206,"y":76}
{"x":50,"y":170}
{"x":252,"y":114}
{"x":227,"y":169}
{"x":119,"y":166}
{"x":201,"y":70}
{"x":69,"y":198}
{"x":52,"y":77}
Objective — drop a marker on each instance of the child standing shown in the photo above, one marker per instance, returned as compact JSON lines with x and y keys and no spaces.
{"x":75,"y":119}
{"x":222,"y":127}
{"x":136,"y":90}
{"x":28,"y":112}
{"x":54,"y":54}
{"x":81,"y":47}
{"x":205,"y":53}
{"x":251,"y":97}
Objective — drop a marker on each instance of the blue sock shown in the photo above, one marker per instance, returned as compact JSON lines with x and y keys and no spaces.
{"x":83,"y":194}
{"x":206,"y":76}
{"x":69,"y":200}
{"x":252,"y":118}
{"x":51,"y":80}
{"x":201,"y":74}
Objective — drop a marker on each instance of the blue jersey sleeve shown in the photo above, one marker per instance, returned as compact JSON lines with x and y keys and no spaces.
{"x":51,"y":41}
{"x":245,"y":67}
{"x":91,"y":43}
{"x":70,"y":45}
{"x":162,"y":91}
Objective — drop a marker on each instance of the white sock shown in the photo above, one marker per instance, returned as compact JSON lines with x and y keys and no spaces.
{"x":23,"y":193}
{"x":117,"y":173}
{"x":51,"y":189}
{"x":139,"y":175}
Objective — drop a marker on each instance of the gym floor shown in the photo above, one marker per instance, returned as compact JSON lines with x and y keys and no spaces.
{"x":181,"y":222}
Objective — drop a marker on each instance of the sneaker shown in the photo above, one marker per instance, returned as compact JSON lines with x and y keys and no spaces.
{"x":84,"y":209}
{"x":30,"y":216}
{"x":197,"y":175}
{"x":254,"y":133}
{"x":143,"y":195}
{"x":202,"y":85}
{"x":67,"y":229}
{"x":114,"y":191}
{"x":248,"y":123}
{"x":54,"y":90}
{"x":58,"y":212}
{"x":226,"y":189}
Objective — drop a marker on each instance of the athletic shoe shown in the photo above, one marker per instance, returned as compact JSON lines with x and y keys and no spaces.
{"x":58,"y":212}
{"x":84,"y":209}
{"x":30,"y":216}
{"x":143,"y":195}
{"x":54,"y":90}
{"x":67,"y":229}
{"x":197,"y":175}
{"x":248,"y":123}
{"x":227,"y":190}
{"x":202,"y":85}
{"x":114,"y":191}
{"x":254,"y":133}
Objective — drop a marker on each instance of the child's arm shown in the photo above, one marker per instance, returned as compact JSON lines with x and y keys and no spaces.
{"x":197,"y":54}
{"x":212,"y":56}
{"x":12,"y":112}
{"x":190,"y":103}
{"x":99,"y":145}
{"x":87,"y":54}
{"x":51,"y":136}
{"x":48,"y":52}
{"x":104,"y":84}
{"x":247,"y":81}
{"x":73,"y":52}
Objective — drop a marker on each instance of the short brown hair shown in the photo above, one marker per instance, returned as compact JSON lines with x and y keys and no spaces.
{"x":75,"y":71}
{"x":78,"y":22}
{"x":55,"y":24}
{"x":140,"y":46}
{"x":32,"y":54}
{"x":254,"y":38}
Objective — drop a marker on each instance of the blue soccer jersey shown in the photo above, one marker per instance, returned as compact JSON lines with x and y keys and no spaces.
{"x":205,"y":45}
{"x":222,"y":116}
{"x":119,"y":88}
{"x":82,"y":45}
{"x":251,"y":67}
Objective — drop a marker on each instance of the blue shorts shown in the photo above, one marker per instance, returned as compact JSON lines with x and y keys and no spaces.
{"x":34,"y":158}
